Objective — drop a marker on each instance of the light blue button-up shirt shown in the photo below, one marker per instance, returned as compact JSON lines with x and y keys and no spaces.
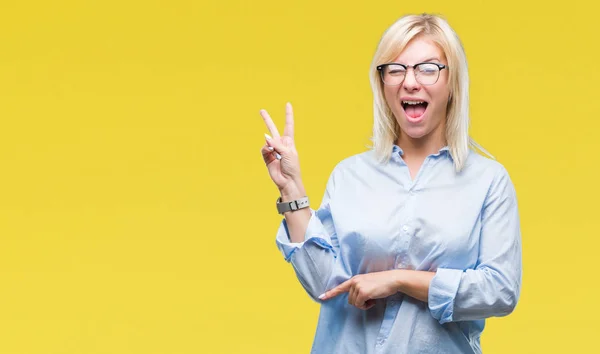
{"x":375,"y":217}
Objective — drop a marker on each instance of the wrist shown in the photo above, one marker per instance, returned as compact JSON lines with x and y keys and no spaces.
{"x":292,"y":191}
{"x":399,"y":280}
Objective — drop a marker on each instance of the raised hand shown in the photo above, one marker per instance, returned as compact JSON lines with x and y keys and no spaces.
{"x":279,"y":152}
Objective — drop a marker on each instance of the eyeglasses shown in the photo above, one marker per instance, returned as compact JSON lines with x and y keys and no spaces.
{"x":393,"y":74}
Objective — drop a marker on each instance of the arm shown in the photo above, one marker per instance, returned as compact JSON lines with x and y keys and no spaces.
{"x":414,"y":283}
{"x":306,"y":238}
{"x":493,"y":287}
{"x":296,"y":221}
{"x":313,"y":250}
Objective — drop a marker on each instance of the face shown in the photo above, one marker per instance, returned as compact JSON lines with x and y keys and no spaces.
{"x":427,"y":119}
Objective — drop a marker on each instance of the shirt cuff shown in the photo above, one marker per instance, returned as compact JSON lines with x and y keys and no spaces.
{"x":315,"y":233}
{"x":442,"y":292}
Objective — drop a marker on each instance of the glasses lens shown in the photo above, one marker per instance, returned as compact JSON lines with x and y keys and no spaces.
{"x":427,"y":74}
{"x":393,"y":74}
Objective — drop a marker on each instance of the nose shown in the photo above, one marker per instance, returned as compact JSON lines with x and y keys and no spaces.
{"x":410,"y":82}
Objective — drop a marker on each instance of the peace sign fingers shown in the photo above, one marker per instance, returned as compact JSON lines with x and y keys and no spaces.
{"x":269,"y":122}
{"x":289,"y":121}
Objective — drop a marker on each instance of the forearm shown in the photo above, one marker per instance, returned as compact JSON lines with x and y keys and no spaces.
{"x":297,"y":221}
{"x":306,"y":242}
{"x":414,"y":283}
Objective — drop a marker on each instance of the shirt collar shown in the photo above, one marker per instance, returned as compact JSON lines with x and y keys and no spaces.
{"x":444,"y":150}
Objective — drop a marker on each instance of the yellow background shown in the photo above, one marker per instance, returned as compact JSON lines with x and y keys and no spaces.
{"x":136,"y":215}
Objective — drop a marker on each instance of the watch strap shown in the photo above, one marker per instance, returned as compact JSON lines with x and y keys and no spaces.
{"x":292,"y":205}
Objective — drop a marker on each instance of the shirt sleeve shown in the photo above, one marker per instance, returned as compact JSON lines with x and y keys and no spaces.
{"x":493,"y":287}
{"x":313,"y":258}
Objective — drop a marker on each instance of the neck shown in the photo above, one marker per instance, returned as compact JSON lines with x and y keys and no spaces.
{"x":420,"y":148}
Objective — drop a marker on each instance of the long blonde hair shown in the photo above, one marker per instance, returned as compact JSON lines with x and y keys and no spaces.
{"x":392,"y":43}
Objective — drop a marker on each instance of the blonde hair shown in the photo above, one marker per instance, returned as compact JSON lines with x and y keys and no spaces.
{"x":393,"y":41}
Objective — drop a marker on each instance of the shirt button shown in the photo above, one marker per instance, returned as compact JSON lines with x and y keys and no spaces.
{"x":405,"y":228}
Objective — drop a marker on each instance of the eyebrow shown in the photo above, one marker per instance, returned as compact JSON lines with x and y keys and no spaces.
{"x":429,"y":59}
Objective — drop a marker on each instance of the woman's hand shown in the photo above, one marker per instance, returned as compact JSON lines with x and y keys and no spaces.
{"x":285,"y":168}
{"x":364,"y":289}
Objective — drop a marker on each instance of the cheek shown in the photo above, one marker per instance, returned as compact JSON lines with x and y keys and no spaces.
{"x":390,"y":95}
{"x":387,"y":94}
{"x":440,"y":96}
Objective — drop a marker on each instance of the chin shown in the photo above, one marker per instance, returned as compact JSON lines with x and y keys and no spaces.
{"x":415,"y":132}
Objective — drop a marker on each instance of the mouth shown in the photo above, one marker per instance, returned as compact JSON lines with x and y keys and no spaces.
{"x":414,"y":109}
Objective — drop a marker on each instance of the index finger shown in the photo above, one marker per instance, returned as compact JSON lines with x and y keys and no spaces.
{"x":289,"y":121}
{"x":269,"y":123}
{"x":342,"y":288}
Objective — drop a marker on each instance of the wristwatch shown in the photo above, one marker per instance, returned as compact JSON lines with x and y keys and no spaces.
{"x":292,"y":205}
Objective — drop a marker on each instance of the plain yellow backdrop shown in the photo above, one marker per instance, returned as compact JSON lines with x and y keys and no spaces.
{"x":136,"y":215}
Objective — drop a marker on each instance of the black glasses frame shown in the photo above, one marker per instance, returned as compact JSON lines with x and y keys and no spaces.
{"x":381,"y":68}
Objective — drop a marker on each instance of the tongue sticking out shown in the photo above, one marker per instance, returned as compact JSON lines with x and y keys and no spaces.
{"x":416,"y":110}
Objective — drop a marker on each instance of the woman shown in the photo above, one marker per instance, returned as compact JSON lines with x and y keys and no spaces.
{"x":417,"y":241}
